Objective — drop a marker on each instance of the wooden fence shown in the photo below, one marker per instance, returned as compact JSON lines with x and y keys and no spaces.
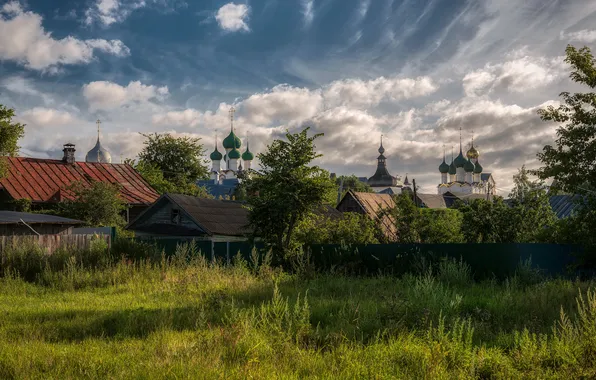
{"x":52,"y":242}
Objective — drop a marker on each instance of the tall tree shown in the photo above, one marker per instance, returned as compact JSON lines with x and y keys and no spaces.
{"x":286,"y":189}
{"x":523,"y":186}
{"x":180,"y":159}
{"x":572,"y":161}
{"x":10,"y":133}
{"x":172,"y":164}
{"x":346,"y":183}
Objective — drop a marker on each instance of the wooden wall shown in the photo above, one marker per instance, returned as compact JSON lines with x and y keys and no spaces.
{"x":52,"y":242}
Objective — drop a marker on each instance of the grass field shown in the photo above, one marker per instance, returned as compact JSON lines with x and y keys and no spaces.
{"x":192,"y":320}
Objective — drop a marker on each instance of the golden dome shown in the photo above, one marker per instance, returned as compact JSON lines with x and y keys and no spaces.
{"x":473,"y":153}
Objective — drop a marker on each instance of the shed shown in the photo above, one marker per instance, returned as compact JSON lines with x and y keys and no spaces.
{"x":184,"y":216}
{"x":373,"y":205}
{"x":24,"y":223}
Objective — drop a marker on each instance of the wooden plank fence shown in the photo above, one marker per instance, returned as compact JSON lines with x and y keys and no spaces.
{"x":52,"y":242}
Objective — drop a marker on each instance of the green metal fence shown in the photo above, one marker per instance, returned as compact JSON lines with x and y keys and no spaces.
{"x":485,"y":260}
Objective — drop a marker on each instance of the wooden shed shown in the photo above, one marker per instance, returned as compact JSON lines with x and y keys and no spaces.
{"x":24,"y":223}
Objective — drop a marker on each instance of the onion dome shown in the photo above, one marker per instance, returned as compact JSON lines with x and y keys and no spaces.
{"x":232,"y":141}
{"x":444,"y":167}
{"x":478,"y":169}
{"x":216,"y":156}
{"x":473,"y":153}
{"x":98,"y":154}
{"x":459,"y":161}
{"x":469,"y":166}
{"x":452,"y":168}
{"x":247,"y":155}
{"x":234,"y":154}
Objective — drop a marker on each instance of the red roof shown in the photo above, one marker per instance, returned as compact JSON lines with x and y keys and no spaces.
{"x":42,"y":180}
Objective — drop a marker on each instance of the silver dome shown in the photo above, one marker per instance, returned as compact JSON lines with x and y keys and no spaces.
{"x":98,"y":154}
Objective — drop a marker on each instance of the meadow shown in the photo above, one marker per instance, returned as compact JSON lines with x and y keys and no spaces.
{"x":79,"y":315}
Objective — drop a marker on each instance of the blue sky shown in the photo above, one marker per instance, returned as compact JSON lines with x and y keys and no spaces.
{"x":413,"y":70}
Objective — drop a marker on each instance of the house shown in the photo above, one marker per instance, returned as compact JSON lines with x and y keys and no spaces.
{"x":564,"y":205}
{"x":24,"y":223}
{"x":373,"y":205}
{"x":45,"y":181}
{"x":184,"y":216}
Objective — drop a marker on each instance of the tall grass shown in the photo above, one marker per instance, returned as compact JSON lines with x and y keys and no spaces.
{"x":187,"y":317}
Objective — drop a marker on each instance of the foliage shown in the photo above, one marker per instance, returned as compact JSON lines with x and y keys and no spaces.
{"x":173,"y":164}
{"x":571,"y":162}
{"x":350,"y":228}
{"x":351,"y":182}
{"x":156,"y":179}
{"x":286,"y":189}
{"x":97,"y":204}
{"x":10,"y":133}
{"x":524,"y":187}
{"x":139,"y":320}
{"x":416,"y":225}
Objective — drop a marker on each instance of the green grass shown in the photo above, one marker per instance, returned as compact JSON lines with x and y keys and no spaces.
{"x":173,"y":319}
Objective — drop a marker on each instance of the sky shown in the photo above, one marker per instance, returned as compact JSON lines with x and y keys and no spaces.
{"x":414,"y":71}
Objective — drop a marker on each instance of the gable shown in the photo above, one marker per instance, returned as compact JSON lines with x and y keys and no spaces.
{"x":165,"y":217}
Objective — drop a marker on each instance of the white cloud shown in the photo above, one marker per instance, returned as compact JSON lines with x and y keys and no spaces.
{"x":232,"y":17}
{"x":108,"y":95}
{"x":308,"y":11}
{"x":24,"y":40}
{"x":108,"y":12}
{"x":46,"y":117}
{"x":585,"y":35}
{"x":188,"y":117}
{"x":518,"y":75}
{"x":369,"y":93}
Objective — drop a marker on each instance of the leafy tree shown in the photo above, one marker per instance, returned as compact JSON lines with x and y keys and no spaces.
{"x":351,"y":228}
{"x":97,"y":205}
{"x":178,"y":158}
{"x":572,"y":161}
{"x":524,"y":187}
{"x":406,"y":216}
{"x":10,"y":133}
{"x":286,"y":190}
{"x":440,"y":226}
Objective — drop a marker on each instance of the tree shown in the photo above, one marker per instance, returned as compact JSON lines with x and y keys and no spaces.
{"x":286,"y":190}
{"x":178,"y":158}
{"x":97,"y":205}
{"x":572,"y":161}
{"x":350,"y":228}
{"x":10,"y":133}
{"x":406,"y":216}
{"x":524,"y":187}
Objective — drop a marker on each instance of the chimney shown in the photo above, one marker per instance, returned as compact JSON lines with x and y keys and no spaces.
{"x":69,"y":154}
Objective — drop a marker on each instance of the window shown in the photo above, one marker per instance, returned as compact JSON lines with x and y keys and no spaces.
{"x":175,"y":216}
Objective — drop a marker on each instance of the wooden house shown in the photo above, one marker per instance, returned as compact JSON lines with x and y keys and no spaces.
{"x":375,"y":206}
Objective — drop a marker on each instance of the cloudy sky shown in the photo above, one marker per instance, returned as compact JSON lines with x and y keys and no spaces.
{"x":413,"y":70}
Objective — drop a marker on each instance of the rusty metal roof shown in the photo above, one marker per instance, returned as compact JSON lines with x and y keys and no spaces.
{"x":217,"y":217}
{"x":43,"y":180}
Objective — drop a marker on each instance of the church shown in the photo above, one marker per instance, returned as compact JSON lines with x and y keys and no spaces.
{"x":382,"y":181}
{"x":465,"y":175}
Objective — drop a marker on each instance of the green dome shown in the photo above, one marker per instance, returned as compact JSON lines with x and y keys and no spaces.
{"x":248,"y":156}
{"x":452,"y":169}
{"x":216,"y":156}
{"x":469,"y":166}
{"x":444,"y":168}
{"x":459,"y":161}
{"x":232,"y":141}
{"x":234,"y":154}
{"x":478,"y":169}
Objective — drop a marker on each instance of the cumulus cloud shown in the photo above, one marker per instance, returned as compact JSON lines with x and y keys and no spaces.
{"x":24,"y":40}
{"x":517,"y":75}
{"x":232,"y":17}
{"x":188,"y":117}
{"x":46,"y":117}
{"x":108,"y":95}
{"x":369,"y":93}
{"x":585,"y":35}
{"x":108,"y":12}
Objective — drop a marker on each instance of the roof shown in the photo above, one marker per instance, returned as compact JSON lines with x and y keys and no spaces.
{"x":13,"y":217}
{"x":564,"y":205}
{"x":214,"y":216}
{"x":391,"y":190}
{"x":485,"y":176}
{"x":41,"y":180}
{"x":432,"y":200}
{"x":373,"y":204}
